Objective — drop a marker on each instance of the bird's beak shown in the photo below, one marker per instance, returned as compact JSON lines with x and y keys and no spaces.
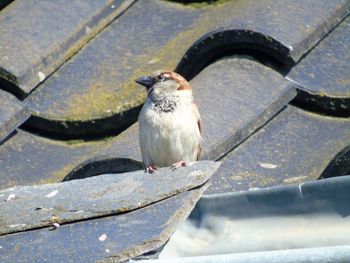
{"x":145,"y":81}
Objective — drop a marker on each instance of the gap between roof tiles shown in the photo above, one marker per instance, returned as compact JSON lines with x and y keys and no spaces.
{"x":225,"y":43}
{"x":339,"y":166}
{"x":302,"y":98}
{"x":319,"y":102}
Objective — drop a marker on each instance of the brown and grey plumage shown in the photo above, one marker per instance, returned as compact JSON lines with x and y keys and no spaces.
{"x":170,"y":124}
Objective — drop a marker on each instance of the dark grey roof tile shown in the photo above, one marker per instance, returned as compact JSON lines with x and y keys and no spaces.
{"x":38,"y":36}
{"x":27,"y":159}
{"x":232,"y":106}
{"x":322,"y":77}
{"x":94,"y":92}
{"x":294,"y":147}
{"x":235,"y":97}
{"x":32,"y":207}
{"x":93,"y":95}
{"x":245,"y":97}
{"x":12,"y":114}
{"x":113,"y":238}
{"x":281,"y":30}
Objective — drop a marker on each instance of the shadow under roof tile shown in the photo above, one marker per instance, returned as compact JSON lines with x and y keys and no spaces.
{"x":4,"y":3}
{"x":323,"y":76}
{"x":280,"y":30}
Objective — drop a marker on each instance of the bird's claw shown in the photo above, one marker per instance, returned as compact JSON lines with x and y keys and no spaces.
{"x":178,"y":165}
{"x":151,"y":169}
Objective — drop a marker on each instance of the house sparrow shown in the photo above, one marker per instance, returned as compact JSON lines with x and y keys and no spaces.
{"x":170,"y":124}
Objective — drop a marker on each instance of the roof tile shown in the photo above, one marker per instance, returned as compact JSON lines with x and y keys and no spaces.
{"x":36,"y":44}
{"x":323,"y":75}
{"x":294,"y":147}
{"x":12,"y":114}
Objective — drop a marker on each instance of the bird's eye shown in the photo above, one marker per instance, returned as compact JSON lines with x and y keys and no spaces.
{"x":161,"y":78}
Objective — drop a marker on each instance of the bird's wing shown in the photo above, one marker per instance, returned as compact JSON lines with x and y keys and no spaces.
{"x":199,"y":123}
{"x":198,"y":117}
{"x":144,"y":139}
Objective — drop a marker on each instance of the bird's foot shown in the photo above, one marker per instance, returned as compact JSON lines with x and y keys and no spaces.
{"x":151,"y":169}
{"x":178,"y":165}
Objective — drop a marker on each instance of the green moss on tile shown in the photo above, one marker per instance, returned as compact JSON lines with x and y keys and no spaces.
{"x":103,"y":99}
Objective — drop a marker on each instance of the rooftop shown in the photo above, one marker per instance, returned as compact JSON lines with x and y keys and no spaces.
{"x":271,"y":79}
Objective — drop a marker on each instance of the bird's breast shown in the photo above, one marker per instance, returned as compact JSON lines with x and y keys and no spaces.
{"x":168,"y":137}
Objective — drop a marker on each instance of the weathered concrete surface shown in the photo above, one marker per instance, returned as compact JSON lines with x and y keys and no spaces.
{"x":294,"y":147}
{"x":323,"y":76}
{"x":112,"y":239}
{"x":36,"y":44}
{"x":245,"y":97}
{"x":31,"y":207}
{"x":94,"y":93}
{"x":12,"y":114}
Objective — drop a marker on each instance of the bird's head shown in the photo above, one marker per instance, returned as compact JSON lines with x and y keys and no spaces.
{"x":165,"y":83}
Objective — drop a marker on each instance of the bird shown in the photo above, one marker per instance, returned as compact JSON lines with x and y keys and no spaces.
{"x":170,"y":127}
